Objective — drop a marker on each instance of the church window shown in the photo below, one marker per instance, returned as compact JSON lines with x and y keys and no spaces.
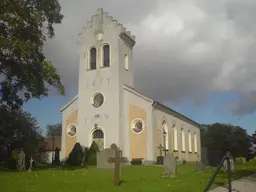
{"x":98,"y":134}
{"x":183,"y":143}
{"x":175,"y":138}
{"x":106,"y":56}
{"x":126,"y":62}
{"x":189,"y":142}
{"x":92,"y":58}
{"x":71,"y":130}
{"x":137,"y":126}
{"x":97,"y":100}
{"x":195,"y":142}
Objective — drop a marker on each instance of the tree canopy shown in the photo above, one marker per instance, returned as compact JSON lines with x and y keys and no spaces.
{"x":54,"y":129}
{"x":25,"y":73}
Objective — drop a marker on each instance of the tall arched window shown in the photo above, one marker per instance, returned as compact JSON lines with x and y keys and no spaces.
{"x":126,"y":62}
{"x":106,"y":56}
{"x":183,"y":143}
{"x":175,"y":138}
{"x":195,"y":143}
{"x":92,"y":58}
{"x":189,"y":142}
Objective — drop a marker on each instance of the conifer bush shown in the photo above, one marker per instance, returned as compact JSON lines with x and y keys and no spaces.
{"x":76,"y":155}
{"x":92,"y":154}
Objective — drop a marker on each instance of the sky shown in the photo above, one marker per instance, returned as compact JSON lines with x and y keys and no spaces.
{"x":196,"y":56}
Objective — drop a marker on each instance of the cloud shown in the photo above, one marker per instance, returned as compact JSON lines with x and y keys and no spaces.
{"x":184,"y":50}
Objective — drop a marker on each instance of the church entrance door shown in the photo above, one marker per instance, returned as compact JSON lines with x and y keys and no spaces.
{"x":98,"y":137}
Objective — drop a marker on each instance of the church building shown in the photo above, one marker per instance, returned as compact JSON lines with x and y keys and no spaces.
{"x":108,"y":109}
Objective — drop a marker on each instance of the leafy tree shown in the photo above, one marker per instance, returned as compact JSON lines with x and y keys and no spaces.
{"x":54,"y":130}
{"x":24,"y":71}
{"x":18,"y":129}
{"x":226,"y":137}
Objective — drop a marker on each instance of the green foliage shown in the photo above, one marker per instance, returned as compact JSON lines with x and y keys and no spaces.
{"x":76,"y":155}
{"x":92,"y":154}
{"x":12,"y":162}
{"x":252,"y":161}
{"x":54,"y":129}
{"x":240,"y":160}
{"x":18,"y":129}
{"x":219,"y":138}
{"x":25,"y":71}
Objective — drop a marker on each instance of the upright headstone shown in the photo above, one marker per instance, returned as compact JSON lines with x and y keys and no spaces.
{"x":204,"y":156}
{"x":56,"y":160}
{"x":21,"y":166}
{"x":232,"y":166}
{"x":117,"y":159}
{"x":169,"y":166}
{"x":30,"y":164}
{"x":200,"y":166}
{"x":102,"y":159}
{"x":160,"y":158}
{"x":84,"y":161}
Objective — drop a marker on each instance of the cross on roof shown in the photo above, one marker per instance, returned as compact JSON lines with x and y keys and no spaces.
{"x":117,"y":160}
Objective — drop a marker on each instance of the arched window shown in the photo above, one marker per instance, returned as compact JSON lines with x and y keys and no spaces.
{"x":98,"y":134}
{"x":189,"y":142}
{"x":183,"y":143}
{"x":106,"y":56}
{"x":195,"y":143}
{"x":126,"y":62}
{"x":175,"y":138}
{"x":92,"y":58}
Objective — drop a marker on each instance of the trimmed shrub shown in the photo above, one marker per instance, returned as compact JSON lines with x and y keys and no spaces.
{"x":137,"y":161}
{"x":76,"y":155}
{"x":92,"y":154}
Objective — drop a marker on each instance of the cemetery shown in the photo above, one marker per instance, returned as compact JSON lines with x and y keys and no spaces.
{"x":94,"y":170}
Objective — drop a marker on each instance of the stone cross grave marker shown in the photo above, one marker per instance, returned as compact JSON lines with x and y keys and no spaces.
{"x":160,"y":147}
{"x":117,"y":159}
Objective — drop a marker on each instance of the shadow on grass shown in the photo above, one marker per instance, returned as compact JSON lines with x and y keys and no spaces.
{"x":42,"y":167}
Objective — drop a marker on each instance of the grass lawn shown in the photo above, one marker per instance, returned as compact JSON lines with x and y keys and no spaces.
{"x":134,"y":179}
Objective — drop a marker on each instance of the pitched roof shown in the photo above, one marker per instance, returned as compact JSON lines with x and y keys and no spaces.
{"x":47,"y":144}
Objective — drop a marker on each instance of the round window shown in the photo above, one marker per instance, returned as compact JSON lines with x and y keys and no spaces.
{"x":72,"y":130}
{"x":137,"y":126}
{"x":97,"y":100}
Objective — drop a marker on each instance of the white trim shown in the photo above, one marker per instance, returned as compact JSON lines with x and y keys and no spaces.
{"x":189,"y":141}
{"x":175,"y":138}
{"x":183,"y":142}
{"x":195,"y":143}
{"x":90,"y":136}
{"x":93,"y":95}
{"x":68,"y":128}
{"x":127,"y":88}
{"x":133,"y":124}
{"x":101,"y":55}
{"x":69,"y":103}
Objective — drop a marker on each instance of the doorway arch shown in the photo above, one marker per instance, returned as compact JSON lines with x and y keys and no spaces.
{"x":97,"y":135}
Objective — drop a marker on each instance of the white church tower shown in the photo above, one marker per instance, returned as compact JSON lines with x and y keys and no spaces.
{"x":105,"y":66}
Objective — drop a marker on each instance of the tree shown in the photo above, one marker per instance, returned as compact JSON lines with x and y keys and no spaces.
{"x":219,"y":138}
{"x":18,"y":129}
{"x":54,"y":130}
{"x":25,"y":72}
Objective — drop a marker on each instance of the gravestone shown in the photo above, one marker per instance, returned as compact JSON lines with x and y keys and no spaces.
{"x":102,"y":159}
{"x":204,"y":156}
{"x":56,"y":160}
{"x":30,"y":164}
{"x":21,"y":166}
{"x":232,"y":166}
{"x":200,"y":166}
{"x":170,"y":168}
{"x":160,"y":158}
{"x":117,"y":160}
{"x":85,"y":156}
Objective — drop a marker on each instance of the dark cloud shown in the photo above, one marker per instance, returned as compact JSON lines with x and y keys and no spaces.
{"x":184,"y":50}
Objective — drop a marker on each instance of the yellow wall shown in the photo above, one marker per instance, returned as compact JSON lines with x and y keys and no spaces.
{"x":70,"y":141}
{"x":138,"y":142}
